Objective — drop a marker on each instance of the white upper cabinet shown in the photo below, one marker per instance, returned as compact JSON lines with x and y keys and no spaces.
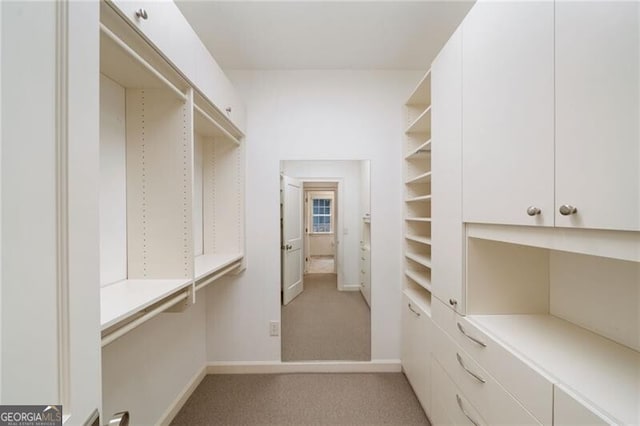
{"x":597,"y":114}
{"x":446,"y":134}
{"x":508,"y":108}
{"x":162,"y":23}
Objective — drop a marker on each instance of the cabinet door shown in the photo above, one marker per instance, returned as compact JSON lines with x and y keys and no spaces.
{"x":50,"y":345}
{"x":508,"y":112}
{"x":416,"y":352}
{"x":597,"y":114}
{"x":166,"y":28}
{"x":447,"y":251}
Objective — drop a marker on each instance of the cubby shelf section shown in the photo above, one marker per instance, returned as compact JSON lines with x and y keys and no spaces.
{"x":417,"y":195}
{"x":418,"y":239}
{"x":123,"y":299}
{"x":595,"y":368}
{"x":420,"y":298}
{"x":420,"y":279}
{"x":420,"y":259}
{"x":421,"y":178}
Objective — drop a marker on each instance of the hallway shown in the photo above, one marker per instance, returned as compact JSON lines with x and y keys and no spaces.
{"x":326,"y":324}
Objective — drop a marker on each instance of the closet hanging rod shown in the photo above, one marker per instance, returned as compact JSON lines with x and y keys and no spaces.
{"x":217,"y":126}
{"x":144,"y":318}
{"x":106,"y":31}
{"x":212,"y":278}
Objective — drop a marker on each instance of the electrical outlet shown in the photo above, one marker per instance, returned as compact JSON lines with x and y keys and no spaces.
{"x":274,"y":328}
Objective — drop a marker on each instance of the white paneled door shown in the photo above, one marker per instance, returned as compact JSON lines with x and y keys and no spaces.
{"x":292,"y":216}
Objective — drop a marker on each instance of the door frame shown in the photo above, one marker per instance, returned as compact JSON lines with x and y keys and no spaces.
{"x":330,"y":188}
{"x":338,"y":225}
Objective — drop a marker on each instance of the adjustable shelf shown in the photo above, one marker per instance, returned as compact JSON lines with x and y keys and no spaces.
{"x":418,"y":219}
{"x":419,"y":199}
{"x":207,"y":265}
{"x":419,"y":259}
{"x":421,"y":95}
{"x":419,"y":153}
{"x":422,"y":124}
{"x":419,"y":239}
{"x":419,"y":279}
{"x":422,"y":178}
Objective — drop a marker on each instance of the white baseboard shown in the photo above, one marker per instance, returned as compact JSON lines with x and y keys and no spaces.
{"x":350,"y":287}
{"x":275,"y":367}
{"x":182,"y":397}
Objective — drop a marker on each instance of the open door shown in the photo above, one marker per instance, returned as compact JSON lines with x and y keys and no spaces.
{"x":292,"y":217}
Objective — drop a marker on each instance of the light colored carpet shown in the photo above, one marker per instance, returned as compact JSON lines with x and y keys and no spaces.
{"x":324,"y":324}
{"x":302,"y":399}
{"x":321,"y":265}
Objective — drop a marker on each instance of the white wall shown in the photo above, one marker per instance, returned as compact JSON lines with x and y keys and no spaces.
{"x":145,"y":370}
{"x":310,"y":115}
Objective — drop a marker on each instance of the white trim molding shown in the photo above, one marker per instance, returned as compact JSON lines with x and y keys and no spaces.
{"x":277,"y":367}
{"x":175,"y":407}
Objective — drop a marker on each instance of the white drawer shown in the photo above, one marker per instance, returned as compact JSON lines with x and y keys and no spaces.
{"x":568,"y":411}
{"x":492,"y":401}
{"x":450,"y":407}
{"x":527,"y":385}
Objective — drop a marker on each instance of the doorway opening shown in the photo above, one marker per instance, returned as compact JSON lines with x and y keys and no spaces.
{"x":321,"y":206}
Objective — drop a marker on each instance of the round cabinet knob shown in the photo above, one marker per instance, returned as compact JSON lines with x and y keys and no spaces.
{"x":566,"y":210}
{"x":141,"y":14}
{"x":533,"y":211}
{"x":453,"y":302}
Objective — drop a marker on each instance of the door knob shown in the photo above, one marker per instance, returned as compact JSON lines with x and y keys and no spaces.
{"x":532,"y":211}
{"x":289,"y":246}
{"x":567,"y":209}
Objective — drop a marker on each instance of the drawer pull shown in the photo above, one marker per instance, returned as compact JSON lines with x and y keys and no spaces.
{"x":474,"y":375}
{"x":465,"y":412}
{"x":473,"y":339}
{"x":413,"y":310}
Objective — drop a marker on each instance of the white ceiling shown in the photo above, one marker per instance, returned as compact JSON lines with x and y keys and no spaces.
{"x":324,"y":34}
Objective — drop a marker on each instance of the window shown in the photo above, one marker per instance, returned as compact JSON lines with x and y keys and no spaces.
{"x":321,"y":215}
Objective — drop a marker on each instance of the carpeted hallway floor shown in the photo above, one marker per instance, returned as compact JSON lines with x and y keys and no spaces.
{"x":303,"y":399}
{"x":324,"y":324}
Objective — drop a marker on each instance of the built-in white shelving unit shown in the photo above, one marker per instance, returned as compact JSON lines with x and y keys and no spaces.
{"x":417,"y":193}
{"x":172,"y":184}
